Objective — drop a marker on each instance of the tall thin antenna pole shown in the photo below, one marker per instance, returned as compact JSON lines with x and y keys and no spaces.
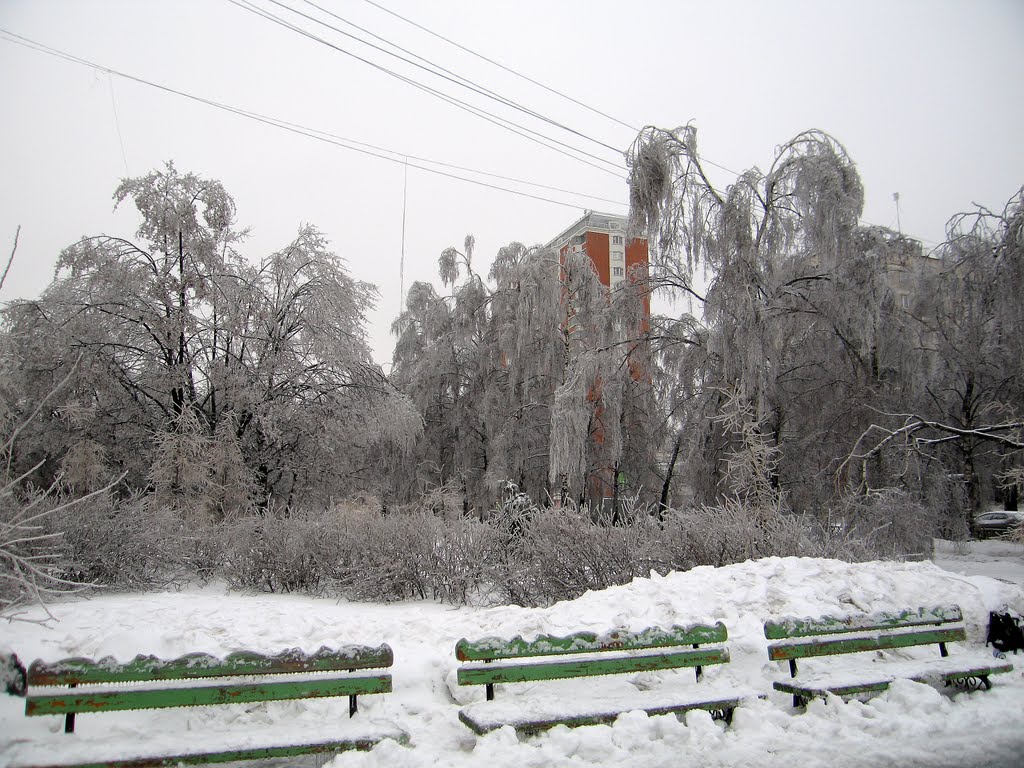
{"x":401,"y":263}
{"x":899,"y":227}
{"x":117,"y":122}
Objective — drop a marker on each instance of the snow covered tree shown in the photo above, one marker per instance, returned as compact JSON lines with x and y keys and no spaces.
{"x":798,"y":331}
{"x":177,"y":339}
{"x":529,"y":379}
{"x":965,"y":418}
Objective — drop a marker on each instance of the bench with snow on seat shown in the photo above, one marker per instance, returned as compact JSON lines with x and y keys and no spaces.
{"x":83,"y":686}
{"x":493,"y":661}
{"x":887,"y":635}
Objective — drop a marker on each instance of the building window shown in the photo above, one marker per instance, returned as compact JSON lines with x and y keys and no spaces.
{"x":616,"y":239}
{"x":616,"y":271}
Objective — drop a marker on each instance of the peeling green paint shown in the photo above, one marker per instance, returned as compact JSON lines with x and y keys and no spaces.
{"x":80,"y":671}
{"x":492,"y":648}
{"x":880,"y":642}
{"x":556,"y":670}
{"x":124,"y":699}
{"x":781,"y":629}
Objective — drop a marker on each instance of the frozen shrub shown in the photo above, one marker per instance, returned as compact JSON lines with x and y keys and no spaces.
{"x":383,"y":558}
{"x":125,"y":543}
{"x":278,"y":551}
{"x":462,"y":561}
{"x":730,"y":532}
{"x":888,"y":523}
{"x":570,"y":555}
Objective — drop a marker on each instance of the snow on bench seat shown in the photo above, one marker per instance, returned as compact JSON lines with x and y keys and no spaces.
{"x":533,"y":714}
{"x":878,"y":674}
{"x":301,"y":735}
{"x":893,"y":637}
{"x":212,"y":710}
{"x":551,"y":660}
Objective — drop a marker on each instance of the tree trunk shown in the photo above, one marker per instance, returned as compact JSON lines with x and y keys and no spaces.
{"x":666,"y":486}
{"x":615,"y":494}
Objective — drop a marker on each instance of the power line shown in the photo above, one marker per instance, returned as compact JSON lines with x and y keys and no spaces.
{"x":287,"y":126}
{"x":436,"y":69}
{"x":489,"y":116}
{"x":503,"y":67}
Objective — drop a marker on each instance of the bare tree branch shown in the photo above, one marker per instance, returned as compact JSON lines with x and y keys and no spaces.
{"x":10,"y":259}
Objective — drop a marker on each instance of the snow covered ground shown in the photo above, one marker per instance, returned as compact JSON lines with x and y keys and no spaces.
{"x":910,"y":725}
{"x":1002,"y":560}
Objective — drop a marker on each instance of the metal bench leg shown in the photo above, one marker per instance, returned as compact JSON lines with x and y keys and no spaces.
{"x":69,"y":718}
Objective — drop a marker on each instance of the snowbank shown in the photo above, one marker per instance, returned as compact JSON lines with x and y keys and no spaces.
{"x":912,"y":724}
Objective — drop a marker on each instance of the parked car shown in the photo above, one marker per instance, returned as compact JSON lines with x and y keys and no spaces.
{"x":996,"y":523}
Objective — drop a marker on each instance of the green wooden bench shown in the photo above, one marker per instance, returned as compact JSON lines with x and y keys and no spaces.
{"x":493,"y":661}
{"x":878,"y":632}
{"x":83,"y":686}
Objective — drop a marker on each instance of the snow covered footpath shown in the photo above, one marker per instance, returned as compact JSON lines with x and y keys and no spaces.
{"x":1003,"y":560}
{"x":911,"y":725}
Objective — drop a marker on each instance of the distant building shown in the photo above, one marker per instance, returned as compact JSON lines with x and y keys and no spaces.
{"x":602,"y":236}
{"x":616,"y":259}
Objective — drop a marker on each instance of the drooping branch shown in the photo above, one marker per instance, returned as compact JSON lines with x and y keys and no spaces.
{"x":10,"y":259}
{"x":878,"y":437}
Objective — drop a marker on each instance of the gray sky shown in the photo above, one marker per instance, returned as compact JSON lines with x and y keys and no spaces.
{"x":926,"y":97}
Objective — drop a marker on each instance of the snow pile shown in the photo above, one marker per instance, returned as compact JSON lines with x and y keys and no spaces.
{"x":912,"y":724}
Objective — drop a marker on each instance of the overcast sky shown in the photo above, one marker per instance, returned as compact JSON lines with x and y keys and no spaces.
{"x":928,"y":98}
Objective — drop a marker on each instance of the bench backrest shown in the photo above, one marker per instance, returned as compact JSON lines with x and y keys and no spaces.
{"x":680,"y":646}
{"x":826,"y":636}
{"x":291,"y":674}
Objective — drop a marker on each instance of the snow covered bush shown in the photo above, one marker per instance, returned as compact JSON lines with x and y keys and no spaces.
{"x":564,"y":554}
{"x":279,"y":551}
{"x":730,"y":532}
{"x":29,"y":556}
{"x":886,"y":524}
{"x":125,"y":543}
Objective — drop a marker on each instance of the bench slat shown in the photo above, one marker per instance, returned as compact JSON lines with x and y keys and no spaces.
{"x":555,"y":670}
{"x":809,"y":689}
{"x":809,"y":692}
{"x":79,"y":671}
{"x":785,"y":651}
{"x":589,"y":642}
{"x":481,"y":724}
{"x":253,"y":753}
{"x":782,"y":629}
{"x":117,"y":700}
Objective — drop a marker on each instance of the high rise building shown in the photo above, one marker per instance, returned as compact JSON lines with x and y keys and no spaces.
{"x":617,"y":260}
{"x":602,"y":237}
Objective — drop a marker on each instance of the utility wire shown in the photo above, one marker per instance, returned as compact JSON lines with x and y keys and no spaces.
{"x":339,"y":141}
{"x":503,"y":67}
{"x":472,"y":85}
{"x":501,"y":122}
{"x":284,"y":125}
{"x":490,"y":117}
{"x":436,"y":69}
{"x":498,"y":64}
